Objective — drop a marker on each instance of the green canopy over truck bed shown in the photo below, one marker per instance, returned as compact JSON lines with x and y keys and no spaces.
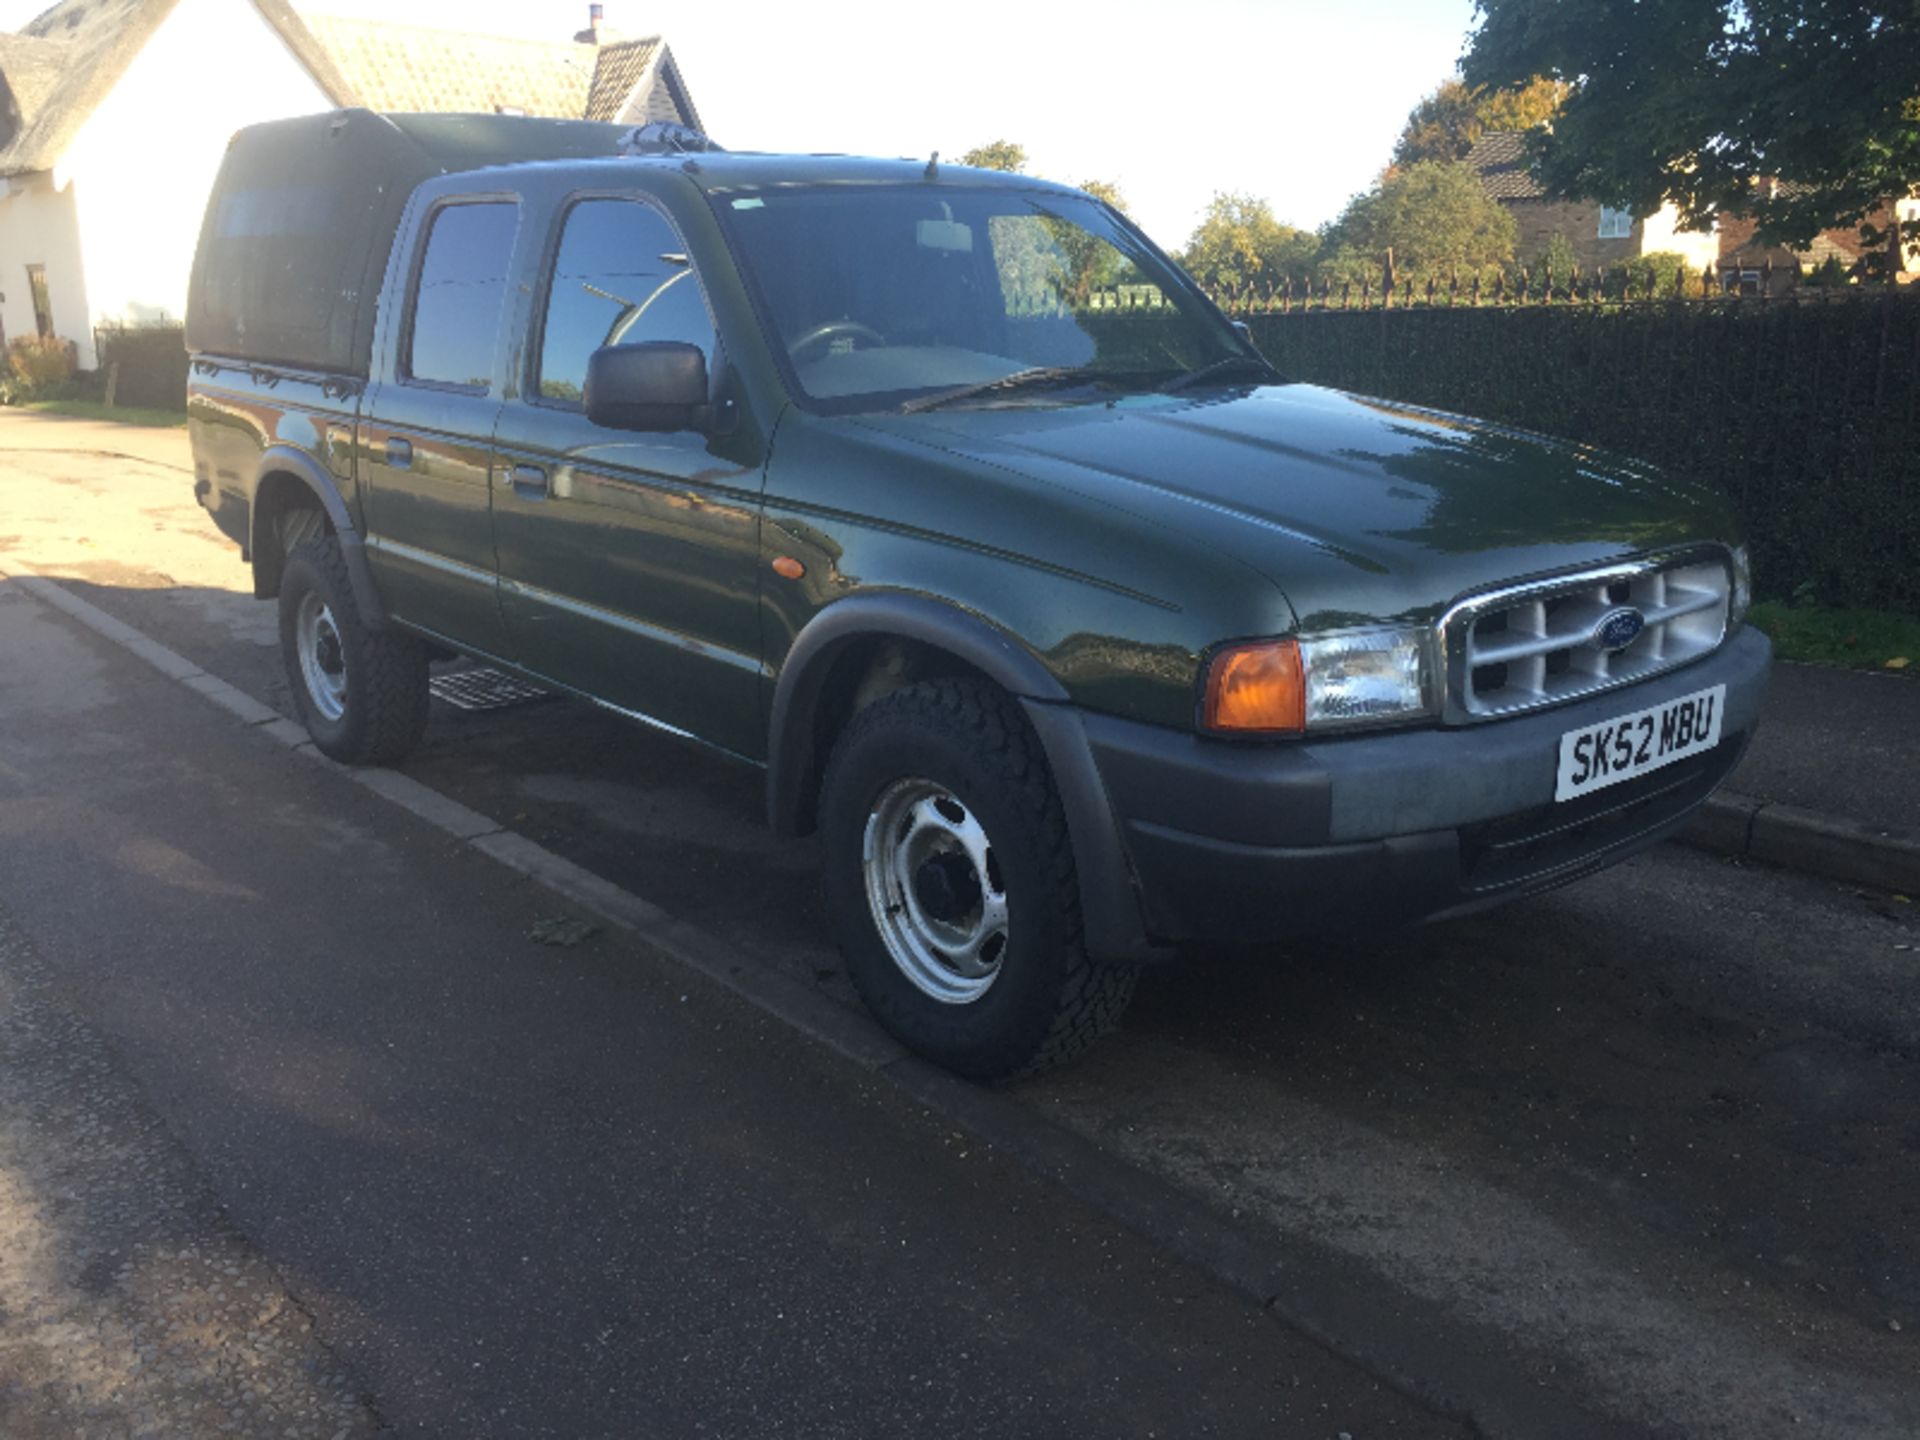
{"x":303,"y":215}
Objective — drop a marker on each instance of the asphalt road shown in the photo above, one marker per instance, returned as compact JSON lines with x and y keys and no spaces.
{"x":1645,"y":1147}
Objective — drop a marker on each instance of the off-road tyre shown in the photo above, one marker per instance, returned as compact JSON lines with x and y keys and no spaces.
{"x":384,"y":712}
{"x":1049,"y":1001}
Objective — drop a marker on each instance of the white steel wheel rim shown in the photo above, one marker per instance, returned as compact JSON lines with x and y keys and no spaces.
{"x":935,"y":887}
{"x":323,"y":658}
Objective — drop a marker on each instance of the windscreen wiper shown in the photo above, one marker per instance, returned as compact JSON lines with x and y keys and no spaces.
{"x":1033,"y":376}
{"x":1217,"y":369}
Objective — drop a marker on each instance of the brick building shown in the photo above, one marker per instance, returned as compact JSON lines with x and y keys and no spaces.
{"x":1601,"y":236}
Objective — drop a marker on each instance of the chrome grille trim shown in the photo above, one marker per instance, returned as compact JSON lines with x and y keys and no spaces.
{"x":1527,"y":647}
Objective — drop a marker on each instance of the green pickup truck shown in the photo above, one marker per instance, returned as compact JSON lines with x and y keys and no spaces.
{"x":1075,"y":631}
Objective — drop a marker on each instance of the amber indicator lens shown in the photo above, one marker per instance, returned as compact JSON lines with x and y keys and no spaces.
{"x":789,"y":567}
{"x":1257,"y":689}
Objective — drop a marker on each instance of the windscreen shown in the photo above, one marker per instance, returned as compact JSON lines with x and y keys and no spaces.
{"x":882,"y":295}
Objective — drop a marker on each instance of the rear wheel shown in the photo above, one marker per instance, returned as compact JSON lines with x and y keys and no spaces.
{"x":361,"y":693}
{"x":950,"y":881}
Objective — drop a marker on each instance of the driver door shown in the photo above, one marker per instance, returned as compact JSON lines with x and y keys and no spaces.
{"x":628,"y":562}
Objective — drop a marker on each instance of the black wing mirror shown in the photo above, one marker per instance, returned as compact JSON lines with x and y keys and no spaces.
{"x":658,"y":386}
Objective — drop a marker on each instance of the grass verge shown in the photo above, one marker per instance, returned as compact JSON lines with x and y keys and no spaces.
{"x":1862,"y":639}
{"x":119,"y":414}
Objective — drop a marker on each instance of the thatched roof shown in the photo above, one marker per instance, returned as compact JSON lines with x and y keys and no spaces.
{"x":62,"y":65}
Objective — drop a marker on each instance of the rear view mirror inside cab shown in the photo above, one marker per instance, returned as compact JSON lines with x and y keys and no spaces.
{"x":944,"y":235}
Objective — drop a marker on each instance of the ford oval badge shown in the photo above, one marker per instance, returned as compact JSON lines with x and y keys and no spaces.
{"x":1618,"y":629}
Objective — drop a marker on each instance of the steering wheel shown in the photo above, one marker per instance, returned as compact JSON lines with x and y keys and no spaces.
{"x":820,"y":334}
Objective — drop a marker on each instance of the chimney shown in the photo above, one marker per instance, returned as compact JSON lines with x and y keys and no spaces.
{"x":596,"y":31}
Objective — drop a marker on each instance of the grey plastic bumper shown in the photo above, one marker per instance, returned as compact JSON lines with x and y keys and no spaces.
{"x":1246,"y":843}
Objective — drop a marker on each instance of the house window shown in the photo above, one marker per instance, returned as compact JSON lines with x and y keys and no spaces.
{"x":42,"y":305}
{"x":1615,"y":224}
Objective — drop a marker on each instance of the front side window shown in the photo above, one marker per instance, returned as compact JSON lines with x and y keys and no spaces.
{"x":461,"y":294}
{"x":886,"y":295}
{"x":621,"y":277}
{"x":1615,"y":224}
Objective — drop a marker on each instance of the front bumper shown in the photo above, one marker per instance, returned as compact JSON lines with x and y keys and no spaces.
{"x":1240,"y":843}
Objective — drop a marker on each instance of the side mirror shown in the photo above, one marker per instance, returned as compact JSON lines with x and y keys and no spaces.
{"x":1243,"y":329}
{"x":658,"y":386}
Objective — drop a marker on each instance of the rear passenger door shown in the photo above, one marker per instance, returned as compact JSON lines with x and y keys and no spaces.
{"x":427,"y":440}
{"x":628,"y":562}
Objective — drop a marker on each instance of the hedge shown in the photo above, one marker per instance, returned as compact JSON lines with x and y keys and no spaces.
{"x":152,"y":361}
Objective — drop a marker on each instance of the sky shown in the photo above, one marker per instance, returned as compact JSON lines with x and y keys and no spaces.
{"x":1297,"y":101}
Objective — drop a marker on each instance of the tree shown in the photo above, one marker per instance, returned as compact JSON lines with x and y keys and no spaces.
{"x":1091,"y":264}
{"x":1107,"y":191}
{"x":1238,"y":242}
{"x":1435,"y":219}
{"x":1708,"y":103}
{"x":1445,"y":124}
{"x":1557,"y":258}
{"x":1658,"y":272}
{"x":997,"y":155}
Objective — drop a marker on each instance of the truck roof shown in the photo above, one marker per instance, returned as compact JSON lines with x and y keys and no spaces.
{"x":720,"y":171}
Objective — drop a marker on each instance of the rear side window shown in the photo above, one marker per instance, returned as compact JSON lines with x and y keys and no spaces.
{"x":621,"y":277}
{"x":463,"y":286}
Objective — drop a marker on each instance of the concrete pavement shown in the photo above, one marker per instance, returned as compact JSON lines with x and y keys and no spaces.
{"x":30,"y":430}
{"x":1841,"y":742}
{"x":1831,"y":785}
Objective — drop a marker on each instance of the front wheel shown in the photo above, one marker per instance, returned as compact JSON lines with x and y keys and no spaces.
{"x":361,"y":693}
{"x":950,"y":882}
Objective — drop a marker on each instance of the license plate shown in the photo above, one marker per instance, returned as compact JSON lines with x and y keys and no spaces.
{"x":1596,"y":756}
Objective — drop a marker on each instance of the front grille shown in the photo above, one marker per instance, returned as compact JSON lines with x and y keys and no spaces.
{"x":1535,"y":645}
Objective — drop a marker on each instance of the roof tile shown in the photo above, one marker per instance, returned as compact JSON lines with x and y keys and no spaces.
{"x":619,"y":69}
{"x":410,"y":69}
{"x":1500,"y":157}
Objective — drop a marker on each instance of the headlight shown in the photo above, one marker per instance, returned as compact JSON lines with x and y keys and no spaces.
{"x":1365,"y":676}
{"x":1742,"y":596}
{"x":1318,"y":682}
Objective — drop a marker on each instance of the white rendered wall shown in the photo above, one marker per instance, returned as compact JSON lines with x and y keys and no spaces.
{"x":38,"y":227}
{"x":1660,"y":232}
{"x":144,"y":163}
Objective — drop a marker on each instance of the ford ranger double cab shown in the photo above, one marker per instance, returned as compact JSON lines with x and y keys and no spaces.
{"x":1075,"y":632}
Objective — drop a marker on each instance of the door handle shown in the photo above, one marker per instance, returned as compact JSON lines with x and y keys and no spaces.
{"x":340,"y":450}
{"x":529,"y":482}
{"x":399,"y":452}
